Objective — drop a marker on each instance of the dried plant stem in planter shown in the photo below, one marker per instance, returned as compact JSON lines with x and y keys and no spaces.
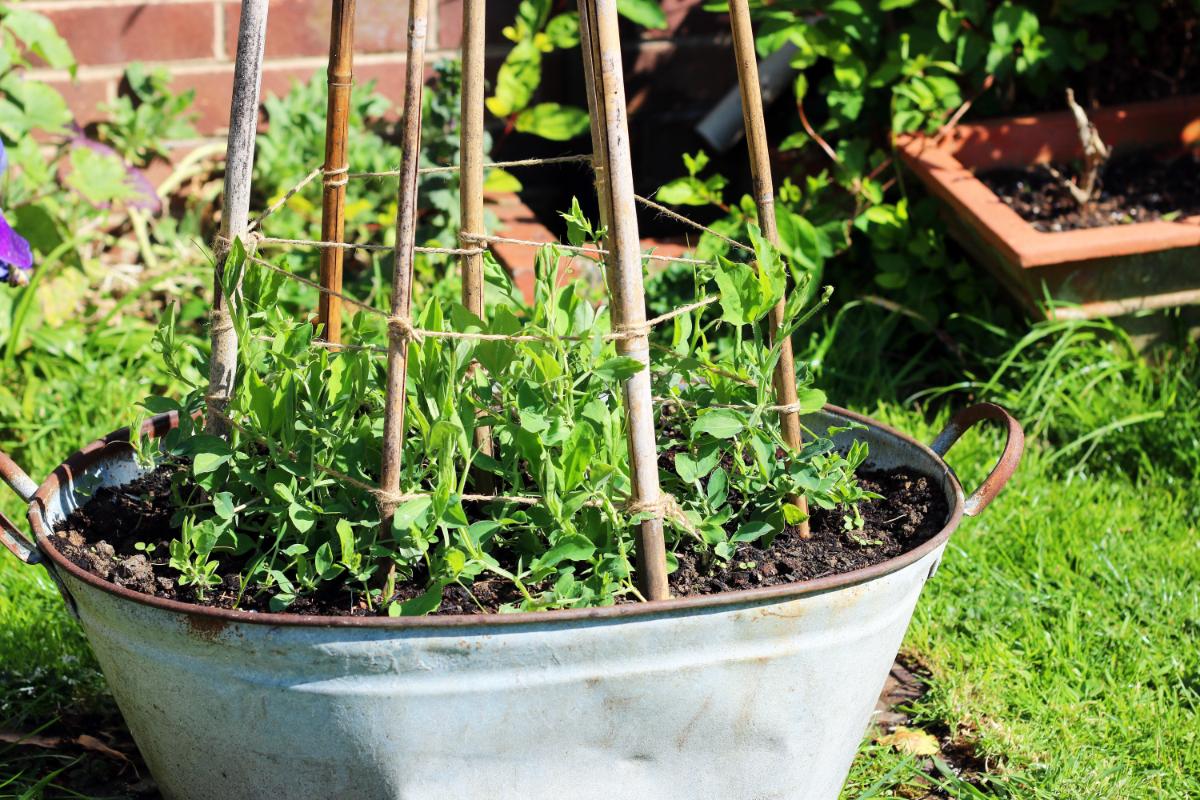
{"x":1095,"y":156}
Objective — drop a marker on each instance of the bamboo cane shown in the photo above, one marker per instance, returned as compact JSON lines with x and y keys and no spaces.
{"x":235,"y":214}
{"x":629,"y":303}
{"x":339,"y":79}
{"x":764,"y":200}
{"x":591,"y":68}
{"x":470,"y":187}
{"x":406,"y":231}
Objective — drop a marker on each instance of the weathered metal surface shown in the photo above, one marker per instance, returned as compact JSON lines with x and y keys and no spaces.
{"x":755,"y":694}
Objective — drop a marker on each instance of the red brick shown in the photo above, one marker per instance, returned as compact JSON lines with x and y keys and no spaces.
{"x":85,"y":96}
{"x":137,"y":32}
{"x":213,"y":86}
{"x":450,"y":25}
{"x":301,"y":27}
{"x":499,"y":15}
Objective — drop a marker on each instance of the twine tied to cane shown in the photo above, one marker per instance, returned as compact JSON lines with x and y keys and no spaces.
{"x":667,"y":507}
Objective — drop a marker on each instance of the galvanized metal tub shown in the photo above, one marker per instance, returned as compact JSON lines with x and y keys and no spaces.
{"x":763,"y":693}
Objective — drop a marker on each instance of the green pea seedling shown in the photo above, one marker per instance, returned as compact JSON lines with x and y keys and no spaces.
{"x":285,"y":501}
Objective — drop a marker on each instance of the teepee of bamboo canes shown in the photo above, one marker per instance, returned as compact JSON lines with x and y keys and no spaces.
{"x":611,"y":164}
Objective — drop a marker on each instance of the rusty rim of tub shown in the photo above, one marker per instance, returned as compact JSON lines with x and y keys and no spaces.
{"x":206,"y":616}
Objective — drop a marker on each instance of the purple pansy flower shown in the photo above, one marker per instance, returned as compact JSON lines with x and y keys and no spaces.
{"x":15,"y":256}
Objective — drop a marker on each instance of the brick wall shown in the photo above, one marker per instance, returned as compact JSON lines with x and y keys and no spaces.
{"x":196,"y":40}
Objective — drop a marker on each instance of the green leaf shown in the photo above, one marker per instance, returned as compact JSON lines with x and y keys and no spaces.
{"x":724,"y":423}
{"x":456,"y":560}
{"x":749,"y":531}
{"x":517,"y":79}
{"x":687,"y":468}
{"x":345,"y":533}
{"x":208,"y":453}
{"x":747,"y":293}
{"x":647,"y":13}
{"x":39,"y":36}
{"x":572,"y":547}
{"x":810,"y":400}
{"x":681,"y":192}
{"x":31,"y":105}
{"x":223,"y":505}
{"x":578,"y":452}
{"x":553,"y":121}
{"x":618,"y":368}
{"x":410,"y":512}
{"x":420,"y":605}
{"x":302,"y":517}
{"x":793,"y":515}
{"x":499,"y":180}
{"x":323,"y":559}
{"x":281,"y":601}
{"x":563,"y":30}
{"x":100,"y":177}
{"x":1012,"y":24}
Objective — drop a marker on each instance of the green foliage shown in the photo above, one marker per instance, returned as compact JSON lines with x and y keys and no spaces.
{"x":538,"y":31}
{"x":534,"y":33}
{"x":70,"y":196}
{"x":141,"y":120}
{"x":286,"y":503}
{"x":871,"y":69}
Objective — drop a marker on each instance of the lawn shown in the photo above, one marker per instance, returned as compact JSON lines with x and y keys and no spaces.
{"x":1059,"y":637}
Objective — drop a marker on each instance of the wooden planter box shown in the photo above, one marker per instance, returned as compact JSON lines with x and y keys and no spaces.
{"x":1108,"y":272}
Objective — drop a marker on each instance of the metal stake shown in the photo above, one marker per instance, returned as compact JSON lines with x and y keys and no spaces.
{"x":339,"y":79}
{"x":764,"y":200}
{"x":611,"y":146}
{"x":235,"y":214}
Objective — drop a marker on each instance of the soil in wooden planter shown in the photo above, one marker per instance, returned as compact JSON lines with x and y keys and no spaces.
{"x":911,"y":512}
{"x":1134,"y":187}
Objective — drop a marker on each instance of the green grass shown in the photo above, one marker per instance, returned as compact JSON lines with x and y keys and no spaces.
{"x":1062,"y":631}
{"x":1062,"y":634}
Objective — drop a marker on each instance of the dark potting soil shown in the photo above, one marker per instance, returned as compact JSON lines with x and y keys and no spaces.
{"x":1134,"y":187}
{"x":911,"y":512}
{"x":101,"y":535}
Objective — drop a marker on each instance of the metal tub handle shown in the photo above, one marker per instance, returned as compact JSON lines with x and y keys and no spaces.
{"x":1014,"y":446}
{"x":10,"y":535}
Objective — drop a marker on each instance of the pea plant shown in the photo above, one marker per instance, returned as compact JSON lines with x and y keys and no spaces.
{"x":287,"y":503}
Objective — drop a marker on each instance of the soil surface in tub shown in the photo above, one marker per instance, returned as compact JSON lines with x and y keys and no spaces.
{"x":1134,"y":187}
{"x":911,"y":511}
